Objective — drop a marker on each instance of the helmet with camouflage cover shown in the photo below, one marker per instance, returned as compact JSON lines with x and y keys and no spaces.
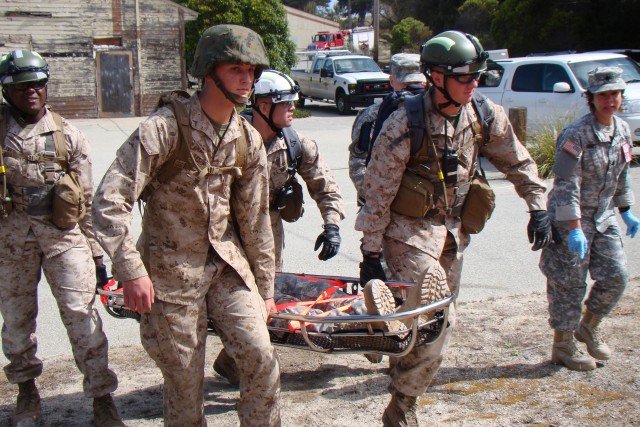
{"x":21,"y":66}
{"x":229,"y":43}
{"x":454,"y":52}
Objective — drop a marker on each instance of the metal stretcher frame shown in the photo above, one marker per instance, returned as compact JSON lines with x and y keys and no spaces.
{"x":355,"y":340}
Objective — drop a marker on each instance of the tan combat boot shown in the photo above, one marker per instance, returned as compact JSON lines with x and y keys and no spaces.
{"x":226,"y":367}
{"x":589,"y":333}
{"x":105,"y":413}
{"x":27,"y":412}
{"x":434,"y":288}
{"x":565,"y":352}
{"x":379,"y":302}
{"x":401,"y":411}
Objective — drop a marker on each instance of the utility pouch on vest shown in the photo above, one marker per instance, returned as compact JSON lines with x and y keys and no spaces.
{"x":289,"y":200}
{"x":415,"y":196}
{"x":37,"y":200}
{"x":478,"y":206}
{"x":68,"y":201}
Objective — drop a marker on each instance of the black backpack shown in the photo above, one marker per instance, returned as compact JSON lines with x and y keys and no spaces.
{"x":291,"y":139}
{"x":370,"y":130}
{"x":417,"y":127}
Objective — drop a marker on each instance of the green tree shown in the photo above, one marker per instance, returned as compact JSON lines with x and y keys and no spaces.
{"x":408,"y":35}
{"x":266,"y":17}
{"x":475,"y":18}
{"x":309,"y":6}
{"x":358,"y":7}
{"x":534,"y":26}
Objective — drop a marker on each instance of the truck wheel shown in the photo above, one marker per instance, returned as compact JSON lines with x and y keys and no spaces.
{"x":342,"y":103}
{"x":300,"y":102}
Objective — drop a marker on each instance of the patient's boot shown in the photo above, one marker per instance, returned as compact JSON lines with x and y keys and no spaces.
{"x":433,"y":288}
{"x":379,"y":302}
{"x":27,"y":412}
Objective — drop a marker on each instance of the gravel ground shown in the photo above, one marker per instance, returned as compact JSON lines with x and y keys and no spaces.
{"x":496,"y":373}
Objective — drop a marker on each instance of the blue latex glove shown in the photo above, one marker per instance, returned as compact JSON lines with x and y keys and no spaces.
{"x":632,"y":223}
{"x":577,"y":242}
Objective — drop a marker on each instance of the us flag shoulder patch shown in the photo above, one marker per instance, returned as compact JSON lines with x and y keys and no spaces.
{"x":572,"y":148}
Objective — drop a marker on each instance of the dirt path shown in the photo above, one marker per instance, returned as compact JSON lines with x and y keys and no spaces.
{"x":497,"y":372}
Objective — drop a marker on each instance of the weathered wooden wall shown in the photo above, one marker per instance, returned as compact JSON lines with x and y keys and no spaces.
{"x":71,"y":33}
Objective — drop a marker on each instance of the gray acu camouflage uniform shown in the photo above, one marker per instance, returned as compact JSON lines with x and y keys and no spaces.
{"x":589,"y":190}
{"x":32,"y":245}
{"x":316,"y":174}
{"x":202,"y":263}
{"x":411,"y":245}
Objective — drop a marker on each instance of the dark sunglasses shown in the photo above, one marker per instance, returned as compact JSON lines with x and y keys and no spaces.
{"x":465,"y":79}
{"x":37,"y":85}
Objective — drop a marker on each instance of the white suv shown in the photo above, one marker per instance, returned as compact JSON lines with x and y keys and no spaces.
{"x":552,"y":87}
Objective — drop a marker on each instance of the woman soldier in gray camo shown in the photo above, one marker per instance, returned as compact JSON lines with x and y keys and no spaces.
{"x":591,"y":169}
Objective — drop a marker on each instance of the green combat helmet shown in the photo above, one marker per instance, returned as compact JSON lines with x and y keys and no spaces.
{"x":229,"y":43}
{"x":21,"y":66}
{"x":453,"y":53}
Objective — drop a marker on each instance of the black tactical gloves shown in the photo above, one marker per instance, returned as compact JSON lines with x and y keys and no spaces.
{"x":539,"y":230}
{"x":371,"y":268}
{"x":330,"y":241}
{"x":102,"y":278}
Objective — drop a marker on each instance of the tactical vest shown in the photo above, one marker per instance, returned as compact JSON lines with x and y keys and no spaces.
{"x":38,"y":199}
{"x":182,"y":157}
{"x":418,"y":195}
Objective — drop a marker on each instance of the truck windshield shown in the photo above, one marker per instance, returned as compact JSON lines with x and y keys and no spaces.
{"x":355,"y":65}
{"x":630,"y":69}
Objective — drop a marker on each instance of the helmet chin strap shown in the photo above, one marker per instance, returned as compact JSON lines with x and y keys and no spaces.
{"x":233,"y":97}
{"x":268,"y":120}
{"x":18,"y":114}
{"x":443,"y":90}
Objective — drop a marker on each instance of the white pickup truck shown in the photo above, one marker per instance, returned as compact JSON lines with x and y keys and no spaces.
{"x":347,"y":79}
{"x":552,"y":88}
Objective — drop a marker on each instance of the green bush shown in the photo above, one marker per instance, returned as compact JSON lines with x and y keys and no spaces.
{"x":542,"y":146}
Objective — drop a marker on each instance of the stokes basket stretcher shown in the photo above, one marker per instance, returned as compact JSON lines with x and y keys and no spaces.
{"x":332,"y":331}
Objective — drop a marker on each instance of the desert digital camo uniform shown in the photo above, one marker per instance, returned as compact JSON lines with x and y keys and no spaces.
{"x":31,"y":244}
{"x":411,"y":245}
{"x":357,"y":156}
{"x":588,"y":188}
{"x":316,"y":174}
{"x":200,"y":264}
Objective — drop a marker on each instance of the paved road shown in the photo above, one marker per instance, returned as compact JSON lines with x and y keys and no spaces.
{"x":498,"y":262}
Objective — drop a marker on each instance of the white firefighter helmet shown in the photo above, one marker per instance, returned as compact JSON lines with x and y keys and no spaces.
{"x":277,"y":86}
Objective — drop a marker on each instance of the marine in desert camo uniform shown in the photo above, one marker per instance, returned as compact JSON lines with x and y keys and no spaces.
{"x":33,"y":245}
{"x":429,"y":250}
{"x":206,"y":248}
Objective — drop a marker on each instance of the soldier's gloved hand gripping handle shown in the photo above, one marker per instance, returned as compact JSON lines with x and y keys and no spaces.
{"x":139,"y":294}
{"x":330,"y":241}
{"x":539,"y":230}
{"x":371,"y":268}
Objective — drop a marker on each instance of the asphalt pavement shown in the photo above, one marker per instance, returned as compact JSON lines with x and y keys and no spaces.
{"x":498,"y":262}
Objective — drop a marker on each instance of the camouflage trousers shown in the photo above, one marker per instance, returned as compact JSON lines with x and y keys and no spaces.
{"x":175,"y":335}
{"x":412,"y":374}
{"x":606,"y":263}
{"x":71,"y":276}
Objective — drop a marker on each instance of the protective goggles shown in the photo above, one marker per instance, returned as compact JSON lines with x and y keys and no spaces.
{"x":465,"y":79}
{"x":23,"y":86}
